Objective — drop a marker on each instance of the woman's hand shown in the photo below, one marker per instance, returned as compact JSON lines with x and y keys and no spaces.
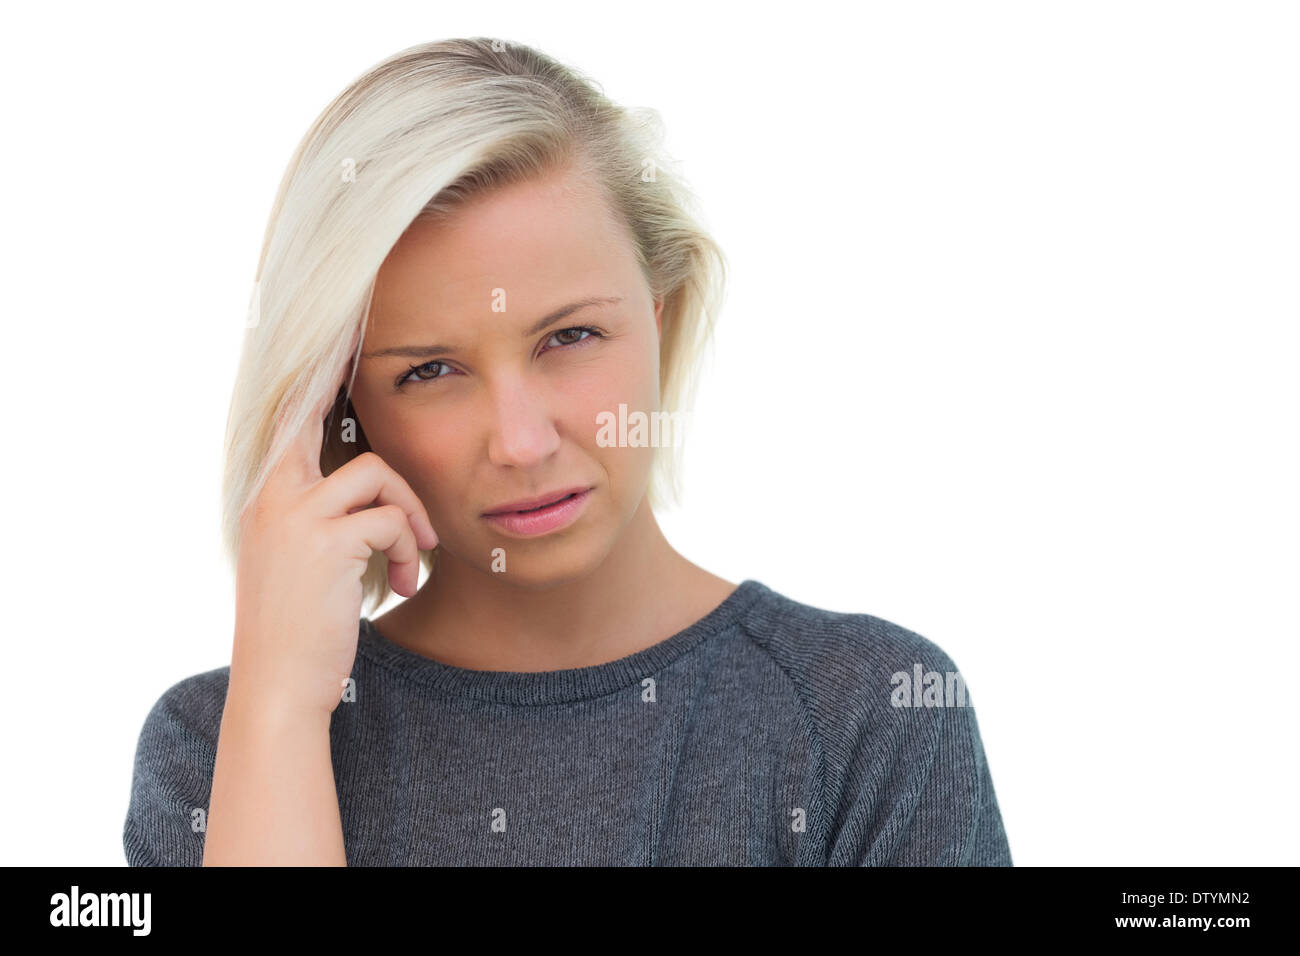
{"x":305,"y":543}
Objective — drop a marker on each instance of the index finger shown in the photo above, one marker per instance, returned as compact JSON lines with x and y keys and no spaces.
{"x":300,"y":462}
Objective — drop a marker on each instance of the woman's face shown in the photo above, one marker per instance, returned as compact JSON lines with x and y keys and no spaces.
{"x":480,"y":395}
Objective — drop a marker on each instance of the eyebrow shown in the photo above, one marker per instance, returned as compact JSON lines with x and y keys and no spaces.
{"x":421,"y":351}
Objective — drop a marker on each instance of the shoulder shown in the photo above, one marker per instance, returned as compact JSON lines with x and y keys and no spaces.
{"x":189,"y":709}
{"x":847,"y":669}
{"x":171,"y":779}
{"x":902,"y":777}
{"x":847,"y":665}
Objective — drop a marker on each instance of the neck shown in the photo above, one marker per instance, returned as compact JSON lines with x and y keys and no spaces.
{"x":468,"y":617}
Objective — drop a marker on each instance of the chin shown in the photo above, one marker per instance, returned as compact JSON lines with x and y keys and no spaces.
{"x":548,"y":562}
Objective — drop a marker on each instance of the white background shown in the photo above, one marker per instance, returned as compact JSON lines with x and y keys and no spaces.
{"x":1008,"y":358}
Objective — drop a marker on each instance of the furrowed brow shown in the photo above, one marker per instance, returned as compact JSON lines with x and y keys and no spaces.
{"x":424,"y":351}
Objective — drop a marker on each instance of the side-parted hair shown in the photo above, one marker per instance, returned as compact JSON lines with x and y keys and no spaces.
{"x":415,"y":137}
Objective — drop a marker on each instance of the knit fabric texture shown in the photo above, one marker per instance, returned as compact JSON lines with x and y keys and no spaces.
{"x":768,"y":733}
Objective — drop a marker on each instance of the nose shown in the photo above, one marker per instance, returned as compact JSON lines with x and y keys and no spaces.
{"x":522,"y":430}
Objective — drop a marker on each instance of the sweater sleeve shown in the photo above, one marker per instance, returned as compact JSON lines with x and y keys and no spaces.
{"x":171,"y":783}
{"x":913,"y":786}
{"x":942,"y":809}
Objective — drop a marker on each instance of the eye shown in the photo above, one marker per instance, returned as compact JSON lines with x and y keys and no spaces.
{"x":587,"y":333}
{"x":419,"y":372}
{"x":432,"y":371}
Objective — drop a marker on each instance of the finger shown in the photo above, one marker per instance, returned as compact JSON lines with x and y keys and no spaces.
{"x":366,"y":479}
{"x":387,"y":529}
{"x":300,"y":462}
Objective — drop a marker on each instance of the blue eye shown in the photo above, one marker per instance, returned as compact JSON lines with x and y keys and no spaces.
{"x":419,"y":372}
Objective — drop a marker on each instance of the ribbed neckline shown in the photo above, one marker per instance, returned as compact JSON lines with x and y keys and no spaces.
{"x":538,"y":688}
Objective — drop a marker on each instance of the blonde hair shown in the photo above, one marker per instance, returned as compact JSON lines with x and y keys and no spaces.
{"x":414,"y":137}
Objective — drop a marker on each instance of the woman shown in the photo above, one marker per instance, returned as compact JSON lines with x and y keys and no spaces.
{"x":476,"y":261}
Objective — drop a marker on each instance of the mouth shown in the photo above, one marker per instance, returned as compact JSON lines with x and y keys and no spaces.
{"x":540,"y":515}
{"x":529,"y":505}
{"x":526,"y":511}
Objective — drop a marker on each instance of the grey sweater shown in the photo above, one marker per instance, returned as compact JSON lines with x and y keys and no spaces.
{"x":768,"y":733}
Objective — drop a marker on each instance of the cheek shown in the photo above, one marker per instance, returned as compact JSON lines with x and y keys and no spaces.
{"x":419,"y":446}
{"x":591,"y":396}
{"x":592,"y":404}
{"x":626,"y":373}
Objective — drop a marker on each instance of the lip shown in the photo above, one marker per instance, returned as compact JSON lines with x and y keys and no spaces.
{"x":563,"y":512}
{"x":525,"y":504}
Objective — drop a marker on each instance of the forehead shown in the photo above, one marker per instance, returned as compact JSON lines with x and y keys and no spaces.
{"x":543,"y":242}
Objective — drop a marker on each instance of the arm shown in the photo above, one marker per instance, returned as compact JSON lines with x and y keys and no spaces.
{"x":172,"y":776}
{"x":914,"y":788}
{"x":273,"y":794}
